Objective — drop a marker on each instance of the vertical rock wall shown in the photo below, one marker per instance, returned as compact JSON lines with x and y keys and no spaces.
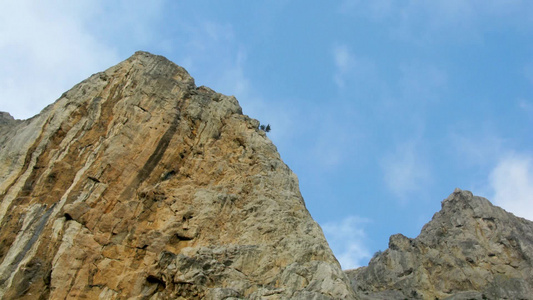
{"x":138,"y":184}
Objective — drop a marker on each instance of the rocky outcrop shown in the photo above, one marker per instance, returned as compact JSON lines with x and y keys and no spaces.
{"x":136,"y":184}
{"x":469,"y":250}
{"x":6,"y":119}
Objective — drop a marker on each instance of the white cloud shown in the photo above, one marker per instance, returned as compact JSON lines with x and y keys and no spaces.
{"x":46,"y":48}
{"x":406,"y":170}
{"x":347,"y":239}
{"x":512,"y":183}
{"x":44,"y":51}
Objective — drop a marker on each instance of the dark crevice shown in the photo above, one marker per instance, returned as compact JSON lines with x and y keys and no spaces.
{"x":37,"y":229}
{"x":169,"y":175}
{"x":143,"y":109}
{"x":93,"y":179}
{"x":182,"y":237}
{"x":151,"y":279}
{"x":143,"y":247}
{"x":155,"y":158}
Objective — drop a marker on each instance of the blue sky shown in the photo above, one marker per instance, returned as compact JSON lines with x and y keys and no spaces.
{"x":381,"y":108}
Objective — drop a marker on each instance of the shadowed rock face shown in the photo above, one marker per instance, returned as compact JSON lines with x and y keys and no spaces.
{"x":138,"y":184}
{"x":469,"y":250}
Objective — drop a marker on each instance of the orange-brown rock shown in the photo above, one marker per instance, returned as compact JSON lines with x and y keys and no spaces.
{"x":138,"y":184}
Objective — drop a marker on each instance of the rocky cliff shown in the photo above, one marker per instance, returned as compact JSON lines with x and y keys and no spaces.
{"x":469,"y":250}
{"x":138,"y":184}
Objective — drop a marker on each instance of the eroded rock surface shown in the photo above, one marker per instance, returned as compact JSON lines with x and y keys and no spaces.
{"x":469,"y":250}
{"x":138,"y":184}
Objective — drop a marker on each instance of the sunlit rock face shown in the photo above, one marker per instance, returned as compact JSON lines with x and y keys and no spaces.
{"x":136,"y":184}
{"x":469,"y":250}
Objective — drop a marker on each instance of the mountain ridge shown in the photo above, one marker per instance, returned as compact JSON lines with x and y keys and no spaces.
{"x":137,"y":184}
{"x":469,"y":249}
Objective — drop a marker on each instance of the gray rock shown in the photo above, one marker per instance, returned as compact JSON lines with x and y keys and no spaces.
{"x":6,"y":118}
{"x":6,"y":123}
{"x":469,"y":250}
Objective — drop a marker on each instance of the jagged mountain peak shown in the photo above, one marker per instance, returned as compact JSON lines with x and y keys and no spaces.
{"x":462,"y":201}
{"x":470,"y":249}
{"x":6,"y":119}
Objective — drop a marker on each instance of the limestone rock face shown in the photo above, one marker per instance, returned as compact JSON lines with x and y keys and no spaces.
{"x":136,"y":184}
{"x":469,"y":250}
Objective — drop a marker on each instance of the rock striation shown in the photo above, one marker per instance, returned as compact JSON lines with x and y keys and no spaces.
{"x":469,"y":250}
{"x":136,"y":184}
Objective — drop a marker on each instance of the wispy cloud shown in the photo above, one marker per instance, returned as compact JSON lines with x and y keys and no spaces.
{"x":476,"y":148}
{"x":421,"y":81}
{"x":347,"y":239}
{"x":377,"y":9}
{"x":343,"y":62}
{"x":512,"y":183}
{"x":349,"y":67}
{"x":406,"y":170}
{"x":429,"y":21}
{"x":509,"y":182}
{"x":418,"y":88}
{"x":526,"y":106}
{"x":528,"y":72}
{"x":334,"y":136}
{"x":215,"y":56}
